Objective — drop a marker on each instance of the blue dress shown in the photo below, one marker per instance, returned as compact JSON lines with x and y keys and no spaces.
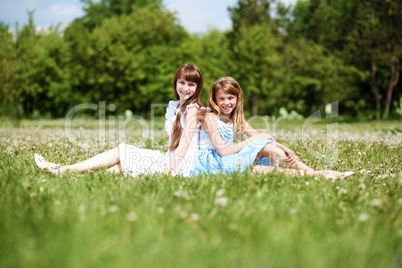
{"x":210,"y":162}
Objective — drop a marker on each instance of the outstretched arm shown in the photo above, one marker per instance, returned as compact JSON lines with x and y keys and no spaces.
{"x":211,"y":127}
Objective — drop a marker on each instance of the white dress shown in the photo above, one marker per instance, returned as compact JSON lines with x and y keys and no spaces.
{"x":135,"y":161}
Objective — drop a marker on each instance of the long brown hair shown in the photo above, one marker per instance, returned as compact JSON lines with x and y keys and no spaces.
{"x":232,"y":87}
{"x":191,"y":73}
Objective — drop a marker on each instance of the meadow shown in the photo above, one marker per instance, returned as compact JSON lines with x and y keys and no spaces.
{"x":98,"y":219}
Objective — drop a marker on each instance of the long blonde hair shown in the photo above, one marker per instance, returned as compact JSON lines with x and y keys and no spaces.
{"x":230,"y":86}
{"x":191,"y":73}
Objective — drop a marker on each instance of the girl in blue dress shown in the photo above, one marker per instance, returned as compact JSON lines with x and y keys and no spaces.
{"x":218,"y":152}
{"x":182,"y":125}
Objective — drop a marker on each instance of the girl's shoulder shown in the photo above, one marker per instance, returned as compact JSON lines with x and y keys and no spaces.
{"x":210,"y":118}
{"x":171,"y":109}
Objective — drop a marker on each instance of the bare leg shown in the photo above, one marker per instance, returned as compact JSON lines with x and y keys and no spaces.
{"x":106,"y":159}
{"x":274,"y":154}
{"x":115,"y":169}
{"x":298,"y":173}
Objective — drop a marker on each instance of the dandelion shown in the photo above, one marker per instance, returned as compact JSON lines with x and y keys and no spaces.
{"x":113,"y":209}
{"x":221,"y":201}
{"x":343,"y":191}
{"x":376,"y":202}
{"x":293,"y":211}
{"x":363,"y":217}
{"x":131,"y":216}
{"x":194,"y":217}
{"x":361,"y":187}
{"x":220,"y":192}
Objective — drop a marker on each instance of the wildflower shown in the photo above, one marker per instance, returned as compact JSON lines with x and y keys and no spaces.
{"x":343,"y":191}
{"x":113,"y":209}
{"x":220,"y":192}
{"x":361,"y":186}
{"x":293,"y":211}
{"x":194,"y":217}
{"x":363,"y":217}
{"x":376,"y":202}
{"x":131,"y":217}
{"x":221,"y":201}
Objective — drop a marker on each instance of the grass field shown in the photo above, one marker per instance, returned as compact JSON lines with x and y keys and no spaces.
{"x":243,"y":220}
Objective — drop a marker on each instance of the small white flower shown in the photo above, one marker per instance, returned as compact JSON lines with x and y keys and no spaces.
{"x":131,"y":216}
{"x":343,"y":191}
{"x":194,"y":217}
{"x":363,"y":217}
{"x":220,"y":192}
{"x":293,"y":211}
{"x":113,"y":209}
{"x":361,"y":186}
{"x":221,"y":201}
{"x":376,"y":202}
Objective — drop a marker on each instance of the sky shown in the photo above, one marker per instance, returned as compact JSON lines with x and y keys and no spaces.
{"x":195,"y":16}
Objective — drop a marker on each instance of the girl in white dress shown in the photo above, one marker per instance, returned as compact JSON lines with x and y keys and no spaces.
{"x":182,"y":126}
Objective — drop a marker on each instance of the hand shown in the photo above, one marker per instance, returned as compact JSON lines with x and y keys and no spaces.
{"x":290,"y":154}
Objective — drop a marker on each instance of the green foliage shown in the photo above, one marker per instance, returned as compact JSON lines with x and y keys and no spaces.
{"x":97,"y":11}
{"x":122,"y":58}
{"x":365,"y":34}
{"x":126,"y":53}
{"x":257,"y":68}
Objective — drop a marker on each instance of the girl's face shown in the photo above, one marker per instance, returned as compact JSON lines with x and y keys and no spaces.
{"x":226,"y":102}
{"x":185,"y":89}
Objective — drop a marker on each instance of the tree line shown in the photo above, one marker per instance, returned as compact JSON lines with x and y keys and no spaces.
{"x":126,"y":52}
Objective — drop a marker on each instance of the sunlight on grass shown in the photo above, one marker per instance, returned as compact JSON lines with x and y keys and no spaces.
{"x":104,"y":220}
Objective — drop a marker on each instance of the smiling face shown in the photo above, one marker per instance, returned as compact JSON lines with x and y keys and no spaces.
{"x":226,"y":102}
{"x":185,"y":89}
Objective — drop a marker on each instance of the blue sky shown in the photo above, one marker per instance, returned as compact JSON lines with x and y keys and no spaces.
{"x":195,"y":16}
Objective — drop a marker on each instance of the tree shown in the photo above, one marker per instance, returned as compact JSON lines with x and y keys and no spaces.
{"x":97,"y":11}
{"x":130,"y":59}
{"x":7,"y":67}
{"x":365,"y":34}
{"x":257,"y":63}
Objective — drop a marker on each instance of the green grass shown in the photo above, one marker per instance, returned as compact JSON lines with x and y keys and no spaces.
{"x":104,"y":220}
